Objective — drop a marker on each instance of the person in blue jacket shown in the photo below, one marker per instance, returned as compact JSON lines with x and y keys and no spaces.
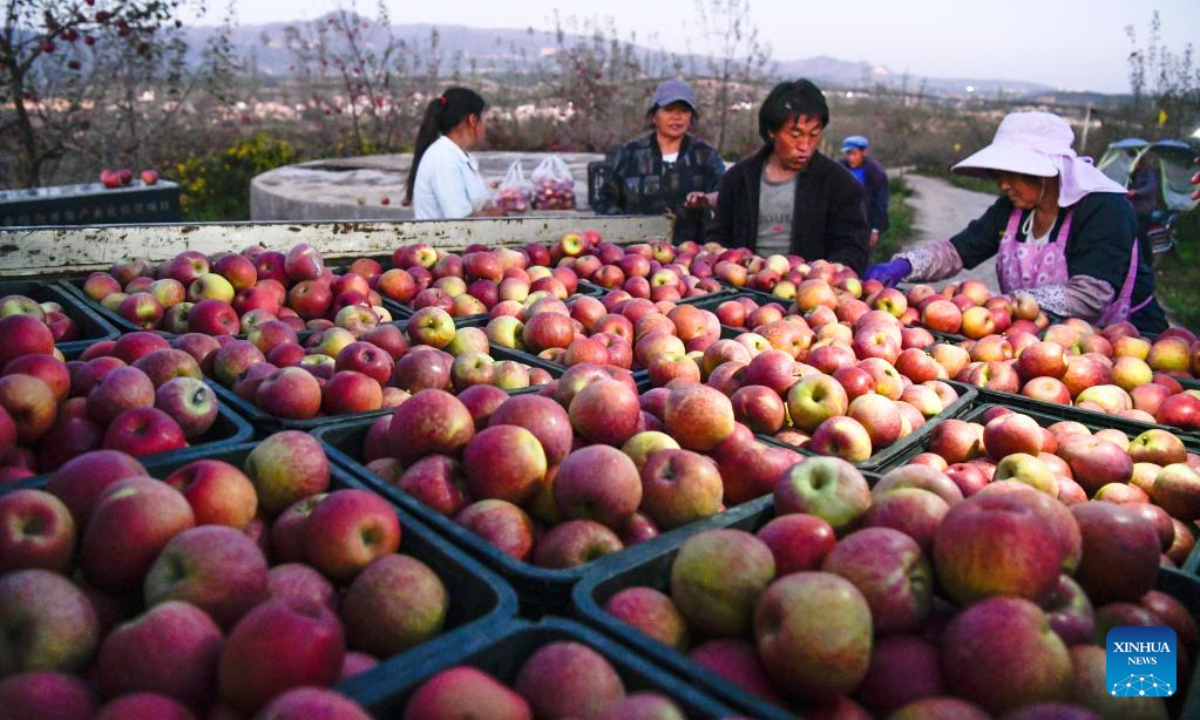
{"x":856,"y":151}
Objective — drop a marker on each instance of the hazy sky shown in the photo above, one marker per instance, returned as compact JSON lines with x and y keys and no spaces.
{"x":1073,"y":44}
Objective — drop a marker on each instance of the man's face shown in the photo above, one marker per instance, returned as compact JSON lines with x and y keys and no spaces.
{"x":855,"y":156}
{"x":797,"y":141}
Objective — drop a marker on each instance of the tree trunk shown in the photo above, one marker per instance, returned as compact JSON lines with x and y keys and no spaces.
{"x":30,"y":163}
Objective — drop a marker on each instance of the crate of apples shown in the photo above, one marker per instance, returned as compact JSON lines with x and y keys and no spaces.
{"x":833,"y":387}
{"x":134,"y":394}
{"x":898,"y":596}
{"x":233,"y":293}
{"x":556,"y":668}
{"x":542,"y":486}
{"x":72,"y":325}
{"x":219,"y":584}
{"x":1154,"y":470}
{"x":278,"y":382}
{"x":469,"y":285}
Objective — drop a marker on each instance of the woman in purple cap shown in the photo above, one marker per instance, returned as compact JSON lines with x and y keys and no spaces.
{"x":1062,"y":231}
{"x":667,"y":170}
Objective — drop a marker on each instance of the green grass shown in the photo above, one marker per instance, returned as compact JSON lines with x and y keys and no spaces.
{"x":900,"y":221}
{"x":1177,"y":279}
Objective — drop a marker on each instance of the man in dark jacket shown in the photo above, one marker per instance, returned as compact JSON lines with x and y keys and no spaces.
{"x":856,"y":152}
{"x":789,"y":198}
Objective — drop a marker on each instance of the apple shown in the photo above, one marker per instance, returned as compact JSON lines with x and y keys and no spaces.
{"x":606,"y":411}
{"x":504,"y":525}
{"x":1177,"y":490}
{"x":50,"y":623}
{"x":1002,"y":654}
{"x":793,"y":613}
{"x":290,"y":393}
{"x":814,"y":399}
{"x":1120,"y":552}
{"x":879,"y":416}
{"x":285,"y":468}
{"x":599,"y":483}
{"x":724,"y":608}
{"x":347,"y":531}
{"x":36,"y":531}
{"x":976,"y":545}
{"x":842,"y":437}
{"x":191,"y":403}
{"x":890,"y":571}
{"x":133,"y":520}
{"x":144,"y":431}
{"x":575,"y":543}
{"x":431,"y":421}
{"x":829,"y":488}
{"x":396,"y":603}
{"x":283,"y":643}
{"x":567,"y":679}
{"x":679,"y":487}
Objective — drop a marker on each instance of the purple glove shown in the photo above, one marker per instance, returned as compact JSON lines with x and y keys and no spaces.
{"x":889,"y":273}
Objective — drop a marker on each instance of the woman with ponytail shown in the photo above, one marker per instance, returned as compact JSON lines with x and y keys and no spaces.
{"x":444,"y":181}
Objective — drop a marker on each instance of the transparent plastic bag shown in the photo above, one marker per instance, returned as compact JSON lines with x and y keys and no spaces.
{"x":553,"y":185}
{"x":515,"y":192}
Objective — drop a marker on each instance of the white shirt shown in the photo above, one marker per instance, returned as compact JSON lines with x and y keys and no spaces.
{"x":448,"y":184}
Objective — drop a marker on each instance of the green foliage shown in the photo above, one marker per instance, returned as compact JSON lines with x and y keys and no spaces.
{"x":1178,"y":278}
{"x":900,"y":221}
{"x":216,"y":186}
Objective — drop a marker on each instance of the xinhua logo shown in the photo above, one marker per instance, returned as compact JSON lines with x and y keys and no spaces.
{"x":1141,"y":662}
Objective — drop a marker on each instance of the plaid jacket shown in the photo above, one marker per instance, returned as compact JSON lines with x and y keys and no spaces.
{"x":642,"y":184}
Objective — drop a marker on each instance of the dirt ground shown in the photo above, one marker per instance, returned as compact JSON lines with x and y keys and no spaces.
{"x":943,"y":210}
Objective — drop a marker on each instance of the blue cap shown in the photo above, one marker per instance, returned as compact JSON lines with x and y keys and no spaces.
{"x":673,"y":91}
{"x":855,"y":142}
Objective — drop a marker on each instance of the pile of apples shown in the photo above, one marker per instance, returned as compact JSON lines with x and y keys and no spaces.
{"x":564,"y":477}
{"x":207,"y":593}
{"x":850,"y":604}
{"x":473,"y":283}
{"x":845,"y":389}
{"x":233,"y":293}
{"x":1153,"y":472}
{"x":624,"y":332}
{"x":559,"y":680}
{"x":135,"y":394}
{"x":111,"y":179}
{"x":337,"y":372}
{"x":779,"y":275}
{"x":16,"y":311}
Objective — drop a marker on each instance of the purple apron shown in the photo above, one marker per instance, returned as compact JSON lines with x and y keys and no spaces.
{"x":1026,"y":266}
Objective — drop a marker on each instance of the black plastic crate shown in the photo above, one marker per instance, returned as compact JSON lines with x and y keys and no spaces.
{"x":1044,"y":417}
{"x":1070,"y":412}
{"x":74,"y":287}
{"x":650,"y":566}
{"x":480,"y":602}
{"x":227,"y":430}
{"x":265,"y":423}
{"x":92,"y":327}
{"x":501,"y":653}
{"x":543,"y":591}
{"x":91,"y":204}
{"x":587,"y":287}
{"x":886,"y":458}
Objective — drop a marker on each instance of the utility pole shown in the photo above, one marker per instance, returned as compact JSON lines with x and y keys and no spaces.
{"x":1087,"y":122}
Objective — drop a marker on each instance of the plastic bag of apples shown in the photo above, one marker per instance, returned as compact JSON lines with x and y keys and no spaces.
{"x":515,"y":191}
{"x":553,"y":185}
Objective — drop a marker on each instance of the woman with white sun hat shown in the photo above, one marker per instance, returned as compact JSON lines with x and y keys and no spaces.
{"x":1062,"y":232}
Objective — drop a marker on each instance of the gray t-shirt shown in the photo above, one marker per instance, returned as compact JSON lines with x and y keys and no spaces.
{"x":776,"y":202}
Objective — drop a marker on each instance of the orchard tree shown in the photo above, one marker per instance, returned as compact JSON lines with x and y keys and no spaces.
{"x":55,"y":60}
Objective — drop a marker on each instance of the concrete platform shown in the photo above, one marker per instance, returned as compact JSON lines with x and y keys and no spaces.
{"x":355,"y":188}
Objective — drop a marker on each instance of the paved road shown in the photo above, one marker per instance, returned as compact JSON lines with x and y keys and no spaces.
{"x":942,"y":210}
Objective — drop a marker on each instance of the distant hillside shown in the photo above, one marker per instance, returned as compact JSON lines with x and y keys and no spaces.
{"x":512,"y":49}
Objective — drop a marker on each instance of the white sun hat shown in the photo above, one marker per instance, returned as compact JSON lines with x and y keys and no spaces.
{"x":1039,"y":144}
